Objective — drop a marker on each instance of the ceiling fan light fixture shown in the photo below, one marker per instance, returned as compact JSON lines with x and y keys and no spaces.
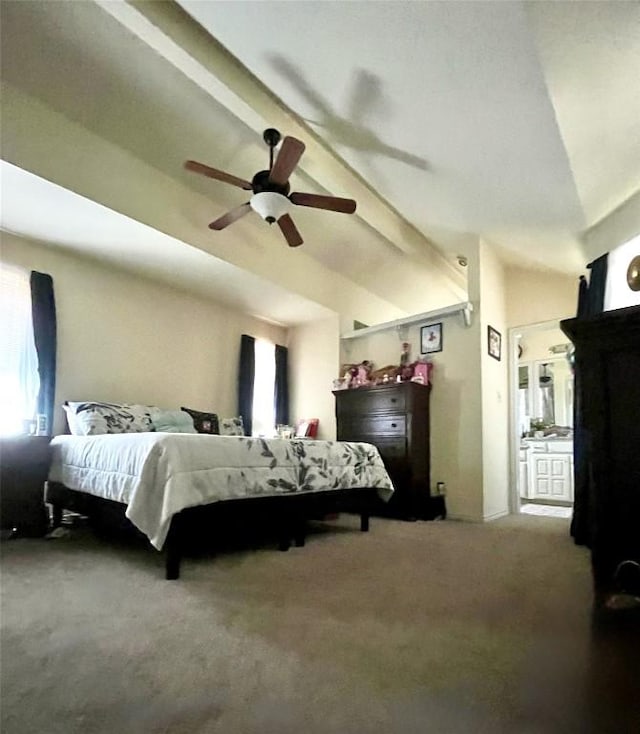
{"x":270,"y":205}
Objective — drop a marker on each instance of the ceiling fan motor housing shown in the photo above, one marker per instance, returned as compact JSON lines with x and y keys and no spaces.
{"x":260,"y":182}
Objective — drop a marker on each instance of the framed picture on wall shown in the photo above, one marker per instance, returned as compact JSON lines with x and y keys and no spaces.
{"x":431,"y":338}
{"x":494,"y":340}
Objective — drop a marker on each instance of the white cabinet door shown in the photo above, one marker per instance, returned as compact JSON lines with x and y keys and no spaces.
{"x":551,"y":477}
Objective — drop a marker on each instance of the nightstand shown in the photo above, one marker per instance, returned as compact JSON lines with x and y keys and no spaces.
{"x":24,"y":467}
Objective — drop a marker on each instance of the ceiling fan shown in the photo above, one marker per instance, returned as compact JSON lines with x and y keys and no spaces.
{"x":271,"y":197}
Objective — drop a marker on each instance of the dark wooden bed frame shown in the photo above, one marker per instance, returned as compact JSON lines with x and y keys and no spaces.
{"x":288,"y":515}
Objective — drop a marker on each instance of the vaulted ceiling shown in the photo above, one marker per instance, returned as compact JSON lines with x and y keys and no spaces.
{"x":518,"y":123}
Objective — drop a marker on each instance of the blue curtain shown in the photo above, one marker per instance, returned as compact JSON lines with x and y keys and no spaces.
{"x":583,"y":297}
{"x":43,"y":306}
{"x":591,"y":295}
{"x":281,"y":388}
{"x":246,"y":375}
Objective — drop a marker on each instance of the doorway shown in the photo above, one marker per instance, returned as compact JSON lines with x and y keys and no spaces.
{"x":541,"y":420}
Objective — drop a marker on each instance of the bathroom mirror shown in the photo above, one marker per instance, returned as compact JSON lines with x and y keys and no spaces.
{"x":545,"y":390}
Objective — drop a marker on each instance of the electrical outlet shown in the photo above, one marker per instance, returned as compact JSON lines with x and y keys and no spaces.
{"x":441,"y":488}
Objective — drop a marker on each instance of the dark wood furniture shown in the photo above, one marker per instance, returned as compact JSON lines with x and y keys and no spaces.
{"x":395,"y":419}
{"x":285,"y":517}
{"x":607,"y":440}
{"x":24,"y":465}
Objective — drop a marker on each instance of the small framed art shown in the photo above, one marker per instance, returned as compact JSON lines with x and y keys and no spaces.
{"x":494,"y":340}
{"x":431,"y":338}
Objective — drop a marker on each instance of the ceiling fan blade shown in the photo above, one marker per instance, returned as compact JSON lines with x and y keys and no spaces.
{"x":290,"y":231}
{"x":289,"y":154}
{"x":230,"y":217}
{"x":332,"y":203}
{"x":219,"y":175}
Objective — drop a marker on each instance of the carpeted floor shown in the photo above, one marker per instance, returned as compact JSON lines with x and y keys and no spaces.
{"x":439,"y":627}
{"x":546,"y":510}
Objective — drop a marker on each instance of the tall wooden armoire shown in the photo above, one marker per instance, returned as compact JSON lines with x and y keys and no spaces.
{"x":607,"y":438}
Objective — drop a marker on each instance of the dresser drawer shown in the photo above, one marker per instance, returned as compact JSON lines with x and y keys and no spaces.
{"x":391,"y":449}
{"x":378,"y":400}
{"x":371,"y":426}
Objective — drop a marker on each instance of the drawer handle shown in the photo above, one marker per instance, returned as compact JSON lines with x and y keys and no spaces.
{"x":394,"y":400}
{"x":394,"y":425}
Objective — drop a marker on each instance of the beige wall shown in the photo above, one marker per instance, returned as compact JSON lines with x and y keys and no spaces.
{"x":456,"y":426}
{"x":495,"y":388}
{"x":122,"y":338}
{"x":458,"y":441}
{"x":313,"y":363}
{"x":533,"y":296}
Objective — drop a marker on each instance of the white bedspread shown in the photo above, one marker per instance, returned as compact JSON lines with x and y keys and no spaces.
{"x":159,"y":474}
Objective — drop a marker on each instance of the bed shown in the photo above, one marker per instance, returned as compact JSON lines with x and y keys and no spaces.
{"x":168,"y":482}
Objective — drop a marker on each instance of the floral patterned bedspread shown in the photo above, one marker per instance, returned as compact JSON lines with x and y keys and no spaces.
{"x":159,"y":474}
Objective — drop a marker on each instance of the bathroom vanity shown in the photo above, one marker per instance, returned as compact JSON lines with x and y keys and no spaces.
{"x":546,"y":469}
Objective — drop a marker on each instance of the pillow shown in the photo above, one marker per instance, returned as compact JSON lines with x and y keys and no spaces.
{"x":92,"y":418}
{"x":203,"y":422}
{"x":232,"y":426}
{"x":70,"y":415}
{"x":172,"y":421}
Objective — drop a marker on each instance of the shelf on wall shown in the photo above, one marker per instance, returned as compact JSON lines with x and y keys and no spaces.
{"x":465,"y":308}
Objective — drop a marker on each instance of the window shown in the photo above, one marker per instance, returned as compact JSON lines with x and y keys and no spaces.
{"x":264,"y":414}
{"x":263,"y":390}
{"x":19,"y":380}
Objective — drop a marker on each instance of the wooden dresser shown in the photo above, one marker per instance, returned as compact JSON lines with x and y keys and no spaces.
{"x":395,"y":419}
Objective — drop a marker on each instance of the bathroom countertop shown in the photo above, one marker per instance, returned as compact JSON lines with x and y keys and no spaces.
{"x":530,"y":442}
{"x":549,"y":438}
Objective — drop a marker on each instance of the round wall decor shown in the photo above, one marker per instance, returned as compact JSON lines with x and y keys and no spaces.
{"x":633,"y":274}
